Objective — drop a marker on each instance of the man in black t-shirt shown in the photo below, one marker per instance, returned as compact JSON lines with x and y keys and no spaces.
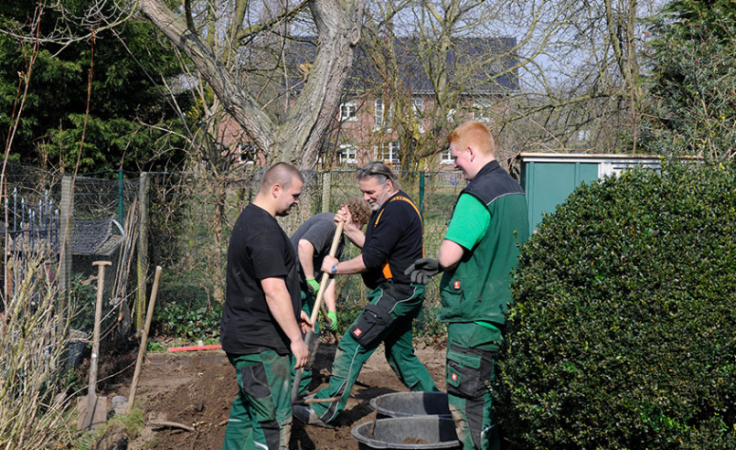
{"x":262,"y":322}
{"x":312,"y":242}
{"x":391,"y":243}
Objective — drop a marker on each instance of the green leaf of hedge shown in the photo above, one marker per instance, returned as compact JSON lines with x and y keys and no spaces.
{"x":622,"y":334}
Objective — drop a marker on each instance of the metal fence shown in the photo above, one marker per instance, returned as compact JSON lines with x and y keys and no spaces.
{"x":32,"y":228}
{"x":189,"y":217}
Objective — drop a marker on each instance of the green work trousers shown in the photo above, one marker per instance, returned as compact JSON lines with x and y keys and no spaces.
{"x":308,"y":301}
{"x":388,"y":319}
{"x":471,"y":354}
{"x":260,"y":417}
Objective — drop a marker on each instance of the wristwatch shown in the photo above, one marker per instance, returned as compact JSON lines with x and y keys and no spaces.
{"x":334,"y":269}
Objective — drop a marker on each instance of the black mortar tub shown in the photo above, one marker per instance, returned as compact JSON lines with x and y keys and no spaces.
{"x":407,"y":433}
{"x":412,"y":404}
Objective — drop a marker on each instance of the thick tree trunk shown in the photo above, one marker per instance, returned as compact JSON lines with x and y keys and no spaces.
{"x":239,"y":104}
{"x":300,"y":137}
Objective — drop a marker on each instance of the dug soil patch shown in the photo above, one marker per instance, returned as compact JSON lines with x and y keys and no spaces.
{"x":197,"y":389}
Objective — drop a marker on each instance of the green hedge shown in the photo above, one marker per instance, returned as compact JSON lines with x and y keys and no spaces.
{"x":623,"y":330}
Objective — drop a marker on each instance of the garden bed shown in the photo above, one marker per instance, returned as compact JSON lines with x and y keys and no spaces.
{"x":196,"y":389}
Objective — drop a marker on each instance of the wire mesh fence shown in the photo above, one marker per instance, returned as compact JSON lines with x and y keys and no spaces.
{"x":434,"y":193}
{"x":105,"y":227}
{"x":190,"y":218}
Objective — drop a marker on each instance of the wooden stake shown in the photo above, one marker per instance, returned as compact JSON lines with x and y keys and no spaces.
{"x":144,"y":339}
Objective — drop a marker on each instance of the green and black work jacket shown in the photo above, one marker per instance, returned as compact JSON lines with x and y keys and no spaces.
{"x":478,"y":288}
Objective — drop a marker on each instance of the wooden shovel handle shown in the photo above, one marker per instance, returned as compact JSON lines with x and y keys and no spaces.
{"x":325,"y":276}
{"x":315,"y":310}
{"x":98,"y":319}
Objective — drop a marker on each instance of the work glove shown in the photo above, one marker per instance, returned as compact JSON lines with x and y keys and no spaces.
{"x":332,"y":325}
{"x":423,"y":269}
{"x":313,"y":285}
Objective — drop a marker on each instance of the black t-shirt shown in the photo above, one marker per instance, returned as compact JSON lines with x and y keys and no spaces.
{"x":393,"y":241}
{"x":258,"y":249}
{"x":319,"y":231}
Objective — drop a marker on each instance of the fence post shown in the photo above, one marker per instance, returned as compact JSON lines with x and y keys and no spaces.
{"x":66,"y":221}
{"x":326,"y":181}
{"x":142,"y":265}
{"x":120,"y":196}
{"x":421,"y":193}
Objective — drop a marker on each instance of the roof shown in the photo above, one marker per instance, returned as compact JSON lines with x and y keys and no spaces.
{"x":488,"y":58}
{"x":484,"y":55}
{"x":589,"y":157}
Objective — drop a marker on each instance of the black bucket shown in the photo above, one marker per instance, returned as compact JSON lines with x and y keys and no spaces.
{"x":421,"y":432}
{"x":412,"y":404}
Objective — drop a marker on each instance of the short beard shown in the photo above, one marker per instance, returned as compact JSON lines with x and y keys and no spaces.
{"x":284,"y":213}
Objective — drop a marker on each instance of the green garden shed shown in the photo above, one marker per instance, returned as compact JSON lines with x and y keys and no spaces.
{"x":548,"y":178}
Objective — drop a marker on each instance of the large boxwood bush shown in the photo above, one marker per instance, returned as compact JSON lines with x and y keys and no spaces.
{"x":623,"y":330}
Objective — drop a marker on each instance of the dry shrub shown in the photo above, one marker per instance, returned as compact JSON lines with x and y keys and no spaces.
{"x":33,"y":414}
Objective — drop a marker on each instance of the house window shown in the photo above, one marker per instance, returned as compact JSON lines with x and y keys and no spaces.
{"x":246,"y":153}
{"x":417,"y":106}
{"x":388,"y":152}
{"x":451,"y":115}
{"x":349,"y":111}
{"x":446,"y":157}
{"x":482,"y":109}
{"x":348,"y":154}
{"x":383,"y":115}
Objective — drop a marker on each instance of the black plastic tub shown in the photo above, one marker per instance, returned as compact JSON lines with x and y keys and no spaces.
{"x":412,"y":404}
{"x":420,"y":432}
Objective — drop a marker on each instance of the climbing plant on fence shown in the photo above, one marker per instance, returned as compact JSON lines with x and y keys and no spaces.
{"x":622,"y":331}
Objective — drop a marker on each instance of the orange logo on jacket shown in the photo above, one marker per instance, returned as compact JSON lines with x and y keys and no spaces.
{"x":457,"y":284}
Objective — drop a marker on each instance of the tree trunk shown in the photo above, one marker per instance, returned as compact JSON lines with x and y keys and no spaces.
{"x":300,"y":137}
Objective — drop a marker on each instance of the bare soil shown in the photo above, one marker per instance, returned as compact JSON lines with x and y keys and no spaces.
{"x":197,"y":389}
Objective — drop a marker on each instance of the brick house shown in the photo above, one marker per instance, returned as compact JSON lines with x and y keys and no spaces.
{"x":371,"y":124}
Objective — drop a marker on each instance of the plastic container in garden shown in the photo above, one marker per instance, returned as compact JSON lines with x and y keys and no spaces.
{"x":404,"y":433}
{"x":411,"y":404}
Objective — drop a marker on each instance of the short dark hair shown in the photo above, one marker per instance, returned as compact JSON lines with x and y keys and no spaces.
{"x":282,"y":174}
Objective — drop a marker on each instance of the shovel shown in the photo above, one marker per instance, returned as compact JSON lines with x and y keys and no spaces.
{"x":315,"y":311}
{"x":92,"y":410}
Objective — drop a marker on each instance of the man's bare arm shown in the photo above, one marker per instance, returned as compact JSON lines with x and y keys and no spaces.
{"x":305,"y":251}
{"x":449,"y":254}
{"x":329,"y":295}
{"x":355,"y":265}
{"x":279,"y":303}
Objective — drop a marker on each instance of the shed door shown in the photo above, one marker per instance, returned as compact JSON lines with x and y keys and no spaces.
{"x":547,"y":184}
